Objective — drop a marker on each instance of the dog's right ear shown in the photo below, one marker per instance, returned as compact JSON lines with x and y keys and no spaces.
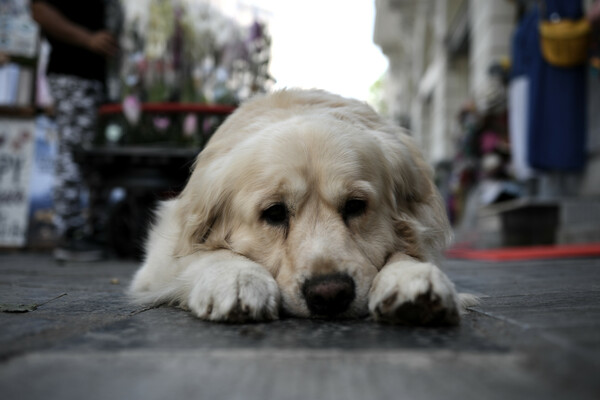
{"x":201,"y":206}
{"x":194,"y":230}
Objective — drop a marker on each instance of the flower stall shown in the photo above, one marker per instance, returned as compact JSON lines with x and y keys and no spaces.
{"x":183,"y":69}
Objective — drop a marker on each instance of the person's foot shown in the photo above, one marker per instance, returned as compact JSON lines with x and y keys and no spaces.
{"x":79,"y":249}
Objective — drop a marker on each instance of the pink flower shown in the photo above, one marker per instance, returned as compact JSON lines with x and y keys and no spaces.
{"x":489,"y":141}
{"x":161,"y":123}
{"x":132,"y":108}
{"x":190,"y":124}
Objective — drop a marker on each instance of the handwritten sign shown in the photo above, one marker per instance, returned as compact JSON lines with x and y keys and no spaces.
{"x":16,"y":159}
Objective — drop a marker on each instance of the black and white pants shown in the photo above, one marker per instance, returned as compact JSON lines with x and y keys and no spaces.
{"x":76,"y":103}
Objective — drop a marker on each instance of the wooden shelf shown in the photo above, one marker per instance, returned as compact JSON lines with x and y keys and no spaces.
{"x":17,"y":111}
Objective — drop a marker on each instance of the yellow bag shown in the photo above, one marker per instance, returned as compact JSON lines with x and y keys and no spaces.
{"x":565,"y":42}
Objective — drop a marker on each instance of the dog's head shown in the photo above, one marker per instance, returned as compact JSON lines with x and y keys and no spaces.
{"x":320,"y":191}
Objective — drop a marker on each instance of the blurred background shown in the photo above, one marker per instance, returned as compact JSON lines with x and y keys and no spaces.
{"x":501,"y":96}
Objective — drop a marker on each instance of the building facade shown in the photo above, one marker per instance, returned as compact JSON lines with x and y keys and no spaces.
{"x":442,"y":57}
{"x":439,"y":54}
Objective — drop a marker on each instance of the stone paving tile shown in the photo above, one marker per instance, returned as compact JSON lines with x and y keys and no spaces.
{"x":532,"y":336}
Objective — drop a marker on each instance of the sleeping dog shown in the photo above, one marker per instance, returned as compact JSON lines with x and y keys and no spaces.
{"x":307,"y":204}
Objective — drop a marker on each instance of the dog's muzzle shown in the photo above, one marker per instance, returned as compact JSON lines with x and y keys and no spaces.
{"x":328,"y":295}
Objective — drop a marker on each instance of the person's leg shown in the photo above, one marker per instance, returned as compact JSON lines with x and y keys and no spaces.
{"x":76,"y":101}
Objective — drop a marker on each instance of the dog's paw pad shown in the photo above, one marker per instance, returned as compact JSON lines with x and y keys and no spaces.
{"x":426,"y":310}
{"x":420,"y":297}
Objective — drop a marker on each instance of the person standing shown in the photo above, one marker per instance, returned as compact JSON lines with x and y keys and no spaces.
{"x":76,"y":71}
{"x":557,"y":107}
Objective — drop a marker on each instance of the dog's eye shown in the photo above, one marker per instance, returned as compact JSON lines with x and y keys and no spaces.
{"x":354,"y":208}
{"x":277,"y":214}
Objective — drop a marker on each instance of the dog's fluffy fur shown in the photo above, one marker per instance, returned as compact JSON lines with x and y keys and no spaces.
{"x":296,"y":185}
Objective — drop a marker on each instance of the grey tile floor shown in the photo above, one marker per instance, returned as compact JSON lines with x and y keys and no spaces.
{"x":536,"y":334}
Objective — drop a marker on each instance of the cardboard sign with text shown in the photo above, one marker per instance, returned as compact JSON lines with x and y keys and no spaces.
{"x":16,"y":159}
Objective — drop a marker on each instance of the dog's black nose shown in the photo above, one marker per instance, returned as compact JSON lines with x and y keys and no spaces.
{"x":328,"y":295}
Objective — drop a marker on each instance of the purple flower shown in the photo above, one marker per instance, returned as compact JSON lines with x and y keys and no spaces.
{"x":256,"y":31}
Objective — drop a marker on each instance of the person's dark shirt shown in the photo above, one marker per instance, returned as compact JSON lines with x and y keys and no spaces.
{"x":68,"y":59}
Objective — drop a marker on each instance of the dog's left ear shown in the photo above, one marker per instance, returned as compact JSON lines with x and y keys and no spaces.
{"x":419,"y":206}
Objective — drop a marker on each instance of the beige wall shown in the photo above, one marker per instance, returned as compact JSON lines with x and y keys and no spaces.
{"x":491,"y":25}
{"x":425,"y":81}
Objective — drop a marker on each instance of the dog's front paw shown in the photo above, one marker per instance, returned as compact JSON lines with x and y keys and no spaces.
{"x":413,"y":293}
{"x":238,"y":291}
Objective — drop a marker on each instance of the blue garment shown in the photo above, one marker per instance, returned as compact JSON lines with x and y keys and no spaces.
{"x":522,"y":56}
{"x":557,"y":127}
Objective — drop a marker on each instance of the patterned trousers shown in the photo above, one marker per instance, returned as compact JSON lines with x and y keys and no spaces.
{"x":76,"y":103}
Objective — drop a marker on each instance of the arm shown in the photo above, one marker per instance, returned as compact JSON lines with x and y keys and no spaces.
{"x":59,"y":27}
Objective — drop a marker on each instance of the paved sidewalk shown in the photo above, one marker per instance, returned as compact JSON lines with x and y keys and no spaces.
{"x":536,"y":335}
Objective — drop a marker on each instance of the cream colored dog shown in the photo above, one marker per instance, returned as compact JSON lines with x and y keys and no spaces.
{"x":309,"y":204}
